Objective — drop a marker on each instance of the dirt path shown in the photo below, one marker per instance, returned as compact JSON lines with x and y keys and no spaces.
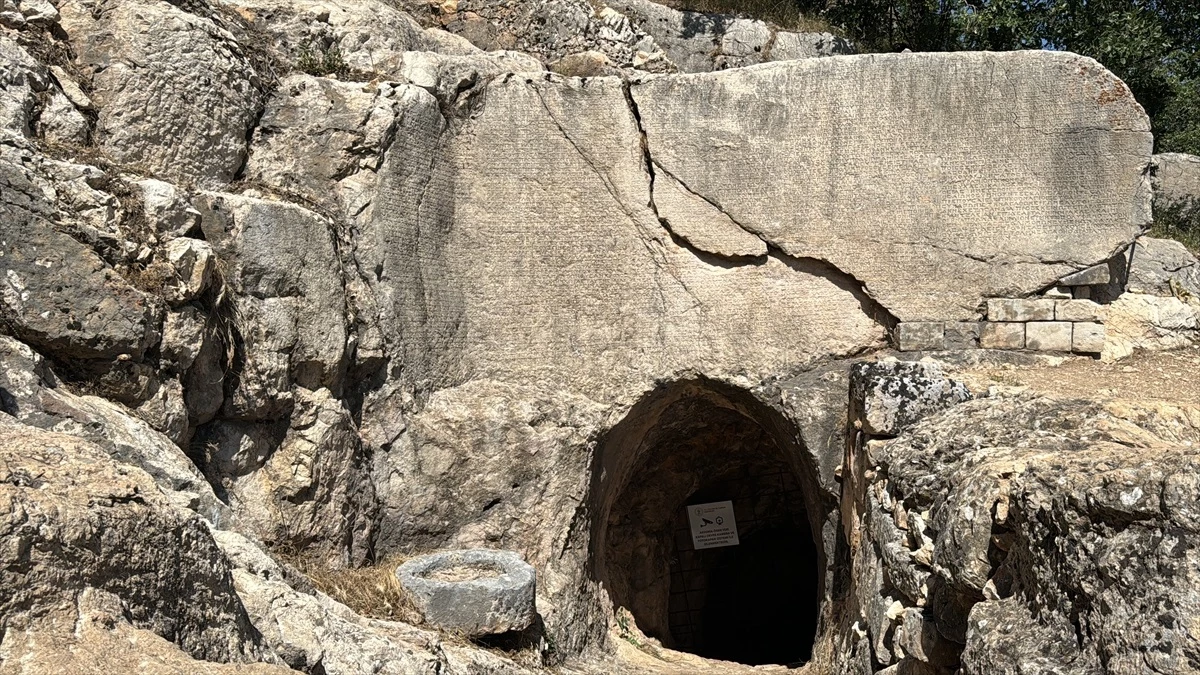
{"x":1167,"y":376}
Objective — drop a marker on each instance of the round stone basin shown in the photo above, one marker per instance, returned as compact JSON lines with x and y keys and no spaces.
{"x":474,"y":592}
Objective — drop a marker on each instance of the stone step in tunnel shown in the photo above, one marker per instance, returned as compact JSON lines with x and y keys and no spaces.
{"x":699,"y":442}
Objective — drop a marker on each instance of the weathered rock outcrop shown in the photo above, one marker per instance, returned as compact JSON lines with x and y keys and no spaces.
{"x":637,"y":34}
{"x":57,"y":293}
{"x":74,"y":520}
{"x":1177,"y":188}
{"x":1016,"y":534}
{"x":446,"y":299}
{"x":177,"y":94}
{"x":30,"y":392}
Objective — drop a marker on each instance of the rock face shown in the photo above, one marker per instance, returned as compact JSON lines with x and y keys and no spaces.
{"x":886,"y":222}
{"x":1020,"y":534}
{"x":177,"y":94}
{"x":1177,"y":187}
{"x":448,"y":300}
{"x":74,"y":520}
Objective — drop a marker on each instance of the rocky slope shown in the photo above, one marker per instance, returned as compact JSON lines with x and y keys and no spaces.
{"x":349,"y":279}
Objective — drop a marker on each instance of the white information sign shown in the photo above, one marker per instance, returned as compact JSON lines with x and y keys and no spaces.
{"x":712,"y":525}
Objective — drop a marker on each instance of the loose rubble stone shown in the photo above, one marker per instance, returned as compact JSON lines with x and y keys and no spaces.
{"x":167,"y":208}
{"x":1092,"y":276}
{"x":962,"y":334}
{"x":918,"y":335}
{"x":60,"y":123}
{"x":888,"y":396}
{"x":483,"y":591}
{"x":194,"y":265}
{"x":995,"y":335}
{"x":1034,"y":309}
{"x":1048,"y":336}
{"x":1087,"y":338}
{"x":1078,"y":310}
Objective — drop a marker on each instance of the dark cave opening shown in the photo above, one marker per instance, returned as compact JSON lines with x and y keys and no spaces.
{"x":760,"y":605}
{"x":757,"y":601}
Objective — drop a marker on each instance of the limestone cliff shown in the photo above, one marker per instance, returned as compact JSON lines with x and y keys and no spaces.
{"x":348,"y":279}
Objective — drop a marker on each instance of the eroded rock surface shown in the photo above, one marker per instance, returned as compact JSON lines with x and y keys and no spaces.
{"x":889,"y":220}
{"x":1019,"y":533}
{"x":73,"y":519}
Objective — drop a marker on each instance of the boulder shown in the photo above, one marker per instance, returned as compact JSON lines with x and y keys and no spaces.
{"x":167,"y":208}
{"x":194,"y":265}
{"x":60,"y":122}
{"x":1137,"y":321}
{"x":1163,"y":267}
{"x":1177,"y":189}
{"x":889,"y":396}
{"x":177,"y":94}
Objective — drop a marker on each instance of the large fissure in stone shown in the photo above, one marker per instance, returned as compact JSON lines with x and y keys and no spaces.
{"x":698,"y":442}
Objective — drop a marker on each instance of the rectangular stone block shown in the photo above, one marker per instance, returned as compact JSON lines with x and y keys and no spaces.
{"x":1078,"y":310}
{"x":1087,"y":338}
{"x":1022,"y":309}
{"x":1048,"y":336}
{"x":1092,"y":276}
{"x":994,"y":335}
{"x":962,"y":334}
{"x":918,"y":335}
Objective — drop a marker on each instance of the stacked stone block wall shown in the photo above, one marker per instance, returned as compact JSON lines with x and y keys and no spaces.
{"x":1063,"y":319}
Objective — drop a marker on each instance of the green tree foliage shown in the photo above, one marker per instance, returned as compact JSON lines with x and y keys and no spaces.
{"x":1153,"y":45}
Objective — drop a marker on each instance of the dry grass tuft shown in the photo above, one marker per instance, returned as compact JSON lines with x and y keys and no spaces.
{"x":372,"y":591}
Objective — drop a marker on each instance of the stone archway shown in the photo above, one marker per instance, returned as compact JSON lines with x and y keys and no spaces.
{"x":699,"y":441}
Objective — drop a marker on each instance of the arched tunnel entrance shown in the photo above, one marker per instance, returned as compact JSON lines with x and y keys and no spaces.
{"x":750,"y":593}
